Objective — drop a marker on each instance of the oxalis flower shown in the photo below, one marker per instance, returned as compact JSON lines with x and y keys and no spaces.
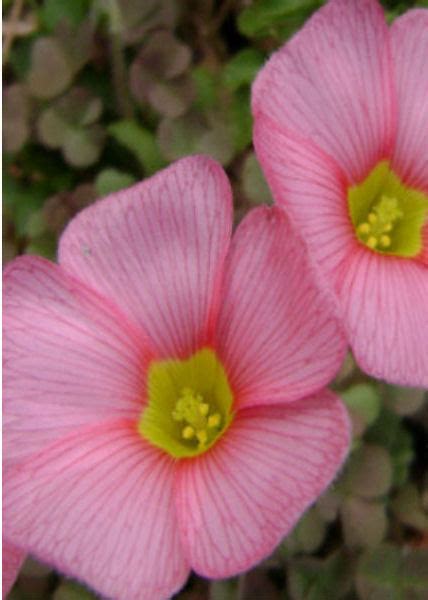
{"x":341,"y":130}
{"x":165,"y":408}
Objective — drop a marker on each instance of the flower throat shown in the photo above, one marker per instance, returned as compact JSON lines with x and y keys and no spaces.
{"x":189,"y":404}
{"x":388,"y":216}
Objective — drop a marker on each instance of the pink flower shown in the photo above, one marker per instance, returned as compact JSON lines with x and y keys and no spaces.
{"x":12,"y":559}
{"x":165,"y":407}
{"x":341,"y":130}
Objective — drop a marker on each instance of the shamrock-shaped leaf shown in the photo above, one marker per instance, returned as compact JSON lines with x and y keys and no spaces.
{"x":16,"y":117}
{"x":368,"y":473}
{"x":51,"y":72}
{"x":112,"y":180}
{"x":364,"y":522}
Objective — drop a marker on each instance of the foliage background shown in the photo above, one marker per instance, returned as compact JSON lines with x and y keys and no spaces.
{"x":99,"y":94}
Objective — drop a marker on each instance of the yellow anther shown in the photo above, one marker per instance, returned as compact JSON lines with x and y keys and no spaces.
{"x":191,"y":410}
{"x":364,"y":228}
{"x":388,"y":210}
{"x":188,"y":432}
{"x":202,"y":437}
{"x":204,"y":409}
{"x":380,"y":222}
{"x":388,"y":216}
{"x":385,"y":241}
{"x":214,"y":420}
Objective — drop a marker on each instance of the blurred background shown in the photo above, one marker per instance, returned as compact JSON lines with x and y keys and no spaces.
{"x":100,"y":94}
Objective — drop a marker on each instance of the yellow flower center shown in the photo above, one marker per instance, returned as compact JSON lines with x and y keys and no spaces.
{"x":376,"y":231}
{"x":200,"y":425}
{"x":387,"y":216}
{"x":189,"y":404}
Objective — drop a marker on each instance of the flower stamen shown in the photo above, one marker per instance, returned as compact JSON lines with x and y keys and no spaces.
{"x":380,"y":221}
{"x":191,"y":409}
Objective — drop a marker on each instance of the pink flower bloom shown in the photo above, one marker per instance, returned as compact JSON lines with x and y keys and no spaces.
{"x":165,"y":408}
{"x":341,"y":130}
{"x":12,"y":559}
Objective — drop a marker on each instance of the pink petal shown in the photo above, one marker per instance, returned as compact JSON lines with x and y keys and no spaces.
{"x":410,"y":49}
{"x":98,"y":506}
{"x":313,"y":190}
{"x":12,"y":559}
{"x":275,"y":333}
{"x":237,"y":501}
{"x":70,"y":358}
{"x":385,"y":304}
{"x":332,"y":83}
{"x":157,"y":250}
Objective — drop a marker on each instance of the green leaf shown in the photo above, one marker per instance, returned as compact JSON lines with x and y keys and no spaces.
{"x":240,"y":120}
{"x":363,"y":400}
{"x":393,"y":573}
{"x":165,"y":55}
{"x":179,"y":137}
{"x":32,"y":568}
{"x":69,"y":590}
{"x":50,"y":72}
{"x":196,"y":133}
{"x":388,"y":431}
{"x":206,"y":87}
{"x":328,"y":505}
{"x":20,"y":57}
{"x":45,"y":245}
{"x":242,"y":68}
{"x":316,"y":579}
{"x":368,"y":473}
{"x":254,"y":184}
{"x":53,"y":12}
{"x":217,"y":144}
{"x":310,"y":531}
{"x":171,"y":98}
{"x":52,"y":130}
{"x":407,"y":506}
{"x":77,"y":43}
{"x":20,"y":202}
{"x":141,"y":142}
{"x":364,"y":523}
{"x":112,"y":180}
{"x":269,"y":17}
{"x":223,"y":590}
{"x":82,"y":147}
{"x":16,"y":117}
{"x":404,"y":400}
{"x":36,"y":225}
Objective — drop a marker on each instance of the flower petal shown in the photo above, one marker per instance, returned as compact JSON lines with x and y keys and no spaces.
{"x":410,"y":50}
{"x":12,"y":559}
{"x":332,"y":83}
{"x":313,"y":190}
{"x":70,"y":358}
{"x":237,"y":501}
{"x":385,"y":306}
{"x":275,"y":334}
{"x":98,"y":506}
{"x":157,"y":250}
